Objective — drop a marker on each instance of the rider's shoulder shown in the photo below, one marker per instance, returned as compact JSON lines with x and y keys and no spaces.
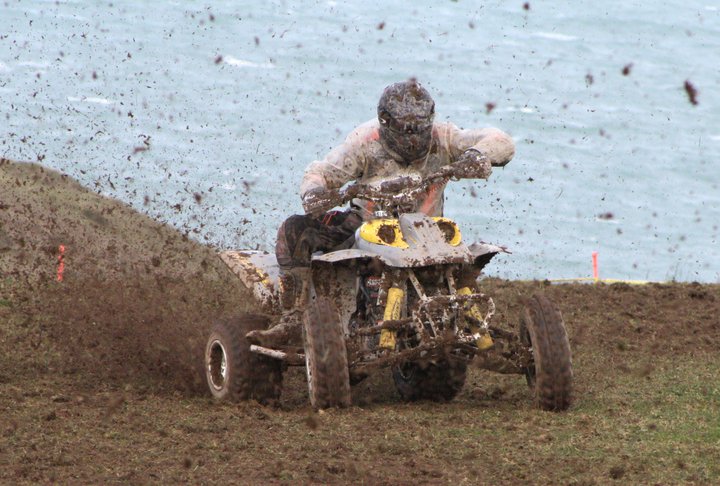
{"x":444,"y":129}
{"x":445,"y":126}
{"x":365,"y":133}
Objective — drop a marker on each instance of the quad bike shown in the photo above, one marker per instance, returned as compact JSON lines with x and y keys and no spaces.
{"x":404,"y":296}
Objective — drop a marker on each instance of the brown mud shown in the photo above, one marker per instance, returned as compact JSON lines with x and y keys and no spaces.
{"x":101,"y":379}
{"x":135,"y":296}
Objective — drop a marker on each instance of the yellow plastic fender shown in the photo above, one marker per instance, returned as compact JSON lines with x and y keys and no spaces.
{"x":383,"y":232}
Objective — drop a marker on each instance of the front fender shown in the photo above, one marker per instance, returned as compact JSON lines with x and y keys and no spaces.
{"x":342,"y":255}
{"x":484,"y":252}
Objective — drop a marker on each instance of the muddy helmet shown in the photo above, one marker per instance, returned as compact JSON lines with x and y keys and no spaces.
{"x":405,"y":112}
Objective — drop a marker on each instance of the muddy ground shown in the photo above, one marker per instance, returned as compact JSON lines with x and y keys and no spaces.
{"x":100,"y":374}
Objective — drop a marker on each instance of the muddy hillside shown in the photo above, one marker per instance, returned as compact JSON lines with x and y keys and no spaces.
{"x":136,"y":297}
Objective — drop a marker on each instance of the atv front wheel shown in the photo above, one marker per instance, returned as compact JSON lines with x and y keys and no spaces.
{"x":439,"y":382}
{"x":233,"y":372}
{"x":551,"y":378}
{"x":325,"y":355}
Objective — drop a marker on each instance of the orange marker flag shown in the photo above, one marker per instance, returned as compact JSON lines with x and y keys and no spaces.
{"x":596,"y":273}
{"x":61,"y":263}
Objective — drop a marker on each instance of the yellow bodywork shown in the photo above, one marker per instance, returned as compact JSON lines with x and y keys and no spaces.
{"x":371,"y":231}
{"x":457,"y":237}
{"x":392,"y":312}
{"x":387,"y":232}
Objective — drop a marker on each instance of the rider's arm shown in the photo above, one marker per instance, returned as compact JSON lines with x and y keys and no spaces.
{"x":492,"y":143}
{"x":341,"y":165}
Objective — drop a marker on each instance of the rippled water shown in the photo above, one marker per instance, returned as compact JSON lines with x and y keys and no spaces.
{"x":205,"y":115}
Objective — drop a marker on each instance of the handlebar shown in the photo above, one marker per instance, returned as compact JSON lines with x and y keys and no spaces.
{"x":392,"y":192}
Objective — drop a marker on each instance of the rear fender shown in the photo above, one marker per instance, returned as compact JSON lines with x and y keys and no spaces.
{"x":260,"y":273}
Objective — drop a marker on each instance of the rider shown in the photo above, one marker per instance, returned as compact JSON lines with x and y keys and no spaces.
{"x":404,"y":140}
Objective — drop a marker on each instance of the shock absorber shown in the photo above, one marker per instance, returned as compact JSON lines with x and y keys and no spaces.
{"x":393,"y":308}
{"x":482,"y":336}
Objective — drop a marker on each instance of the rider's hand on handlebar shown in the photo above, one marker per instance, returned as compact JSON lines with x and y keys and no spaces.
{"x":317,"y":201}
{"x":351,"y":191}
{"x":471,"y":164}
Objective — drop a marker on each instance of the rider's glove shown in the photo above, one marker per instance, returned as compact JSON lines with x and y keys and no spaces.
{"x":317,"y":201}
{"x":471,"y":164}
{"x":351,"y":191}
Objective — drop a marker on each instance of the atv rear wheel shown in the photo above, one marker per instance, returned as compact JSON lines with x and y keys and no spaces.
{"x":439,"y":382}
{"x":233,"y":372}
{"x":325,"y":355}
{"x":550,"y":376}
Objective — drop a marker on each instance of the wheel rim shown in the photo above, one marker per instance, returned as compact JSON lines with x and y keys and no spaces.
{"x":217,"y":365}
{"x":526,"y":339}
{"x":406,"y":372}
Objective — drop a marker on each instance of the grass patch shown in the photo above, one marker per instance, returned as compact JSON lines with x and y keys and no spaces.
{"x":660,"y":428}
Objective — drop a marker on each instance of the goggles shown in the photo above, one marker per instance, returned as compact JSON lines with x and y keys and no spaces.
{"x":409,"y":127}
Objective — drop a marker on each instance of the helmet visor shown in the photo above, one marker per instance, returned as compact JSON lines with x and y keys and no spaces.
{"x":409,"y":138}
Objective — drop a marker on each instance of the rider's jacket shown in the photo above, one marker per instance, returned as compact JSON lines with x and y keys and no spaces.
{"x":362,"y":157}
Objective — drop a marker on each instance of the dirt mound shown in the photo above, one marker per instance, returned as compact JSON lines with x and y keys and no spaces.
{"x":136,"y":299}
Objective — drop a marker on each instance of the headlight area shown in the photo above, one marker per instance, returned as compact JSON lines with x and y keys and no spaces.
{"x":450,"y":230}
{"x":383,"y":232}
